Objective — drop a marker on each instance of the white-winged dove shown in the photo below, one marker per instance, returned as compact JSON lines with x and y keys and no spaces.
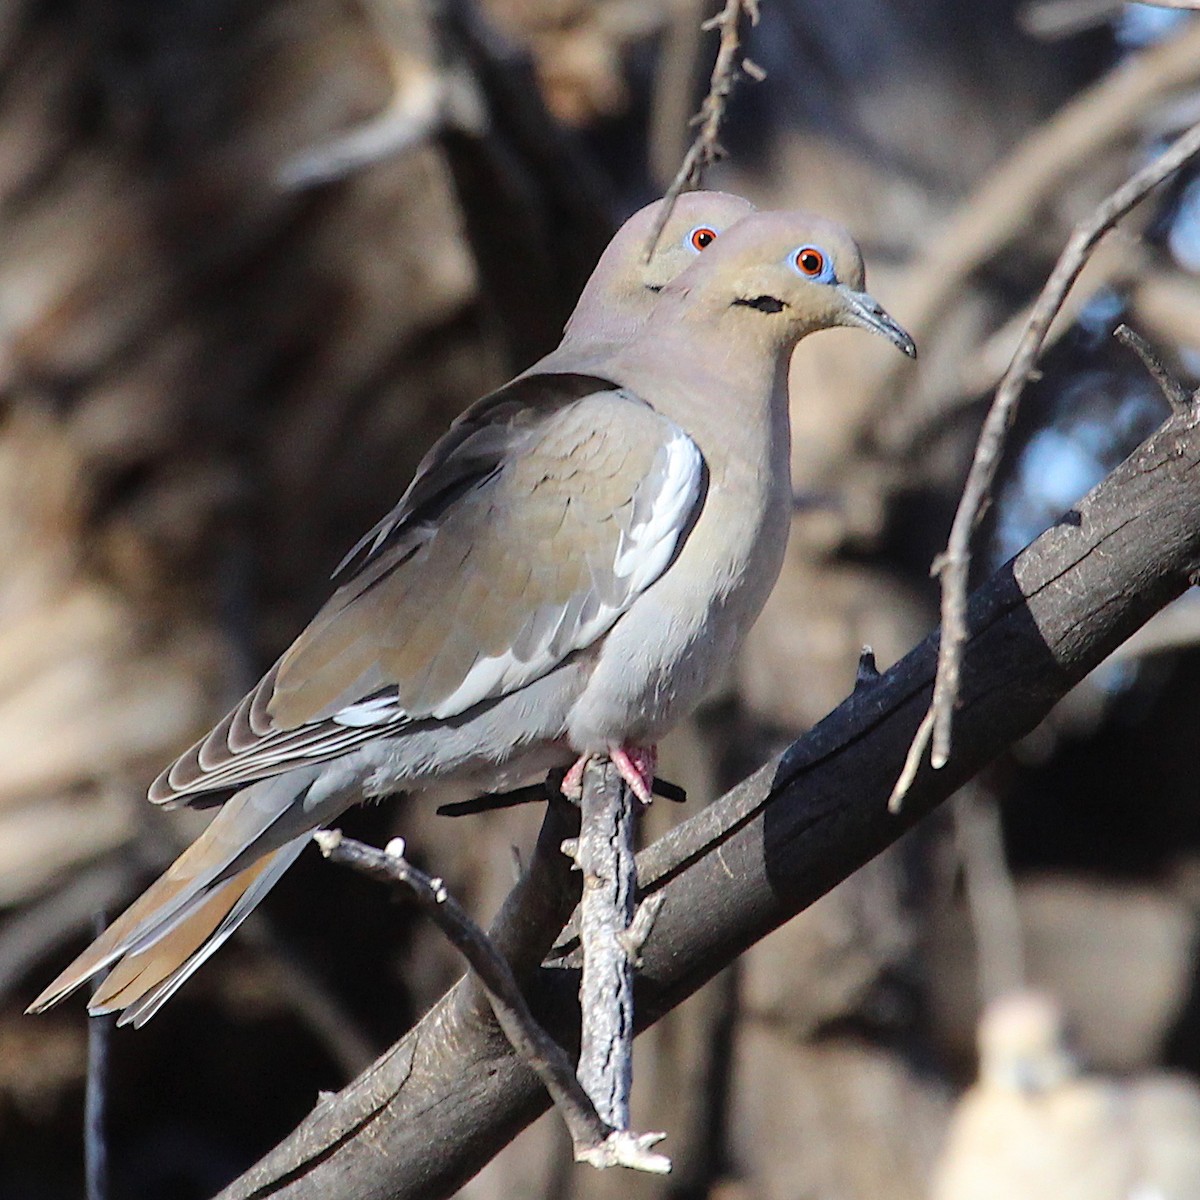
{"x":574,"y":561}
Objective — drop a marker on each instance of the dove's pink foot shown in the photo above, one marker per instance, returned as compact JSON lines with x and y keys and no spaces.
{"x":636,"y":765}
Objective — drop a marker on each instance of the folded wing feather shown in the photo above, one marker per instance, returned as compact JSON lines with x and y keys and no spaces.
{"x":529,"y":530}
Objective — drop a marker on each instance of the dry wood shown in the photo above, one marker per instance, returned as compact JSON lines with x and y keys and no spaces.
{"x":596,"y":1141}
{"x":728,"y":68}
{"x":954,"y":563}
{"x":611,"y":939}
{"x":439,"y":1104}
{"x":1175,"y":394}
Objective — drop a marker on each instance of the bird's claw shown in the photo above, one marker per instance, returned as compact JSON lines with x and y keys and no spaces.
{"x":635,"y":765}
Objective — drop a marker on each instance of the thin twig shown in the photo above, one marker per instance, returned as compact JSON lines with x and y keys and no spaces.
{"x":912,"y":762}
{"x":538,"y":793}
{"x":534,"y":793}
{"x":1010,"y":200}
{"x":954,"y":563}
{"x":595,"y":1142}
{"x":95,"y":1096}
{"x":705,"y":148}
{"x":1175,"y":394}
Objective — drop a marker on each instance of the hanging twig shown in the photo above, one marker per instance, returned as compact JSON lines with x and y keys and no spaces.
{"x":595,"y":1141}
{"x":953,"y":565}
{"x":705,"y":148}
{"x":95,"y":1097}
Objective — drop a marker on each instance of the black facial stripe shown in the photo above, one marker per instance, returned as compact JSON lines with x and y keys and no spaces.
{"x":767,"y":304}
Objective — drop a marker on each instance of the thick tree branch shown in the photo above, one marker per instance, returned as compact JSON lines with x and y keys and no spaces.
{"x":595,"y":1141}
{"x":451,"y":1092}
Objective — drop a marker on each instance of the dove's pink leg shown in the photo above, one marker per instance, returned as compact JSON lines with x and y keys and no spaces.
{"x":636,"y":765}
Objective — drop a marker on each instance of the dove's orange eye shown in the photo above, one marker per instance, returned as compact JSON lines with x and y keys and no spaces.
{"x":701,"y":237}
{"x":810,"y":261}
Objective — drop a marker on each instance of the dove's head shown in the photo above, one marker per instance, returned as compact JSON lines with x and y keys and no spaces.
{"x":776,"y":276}
{"x":625,"y":284}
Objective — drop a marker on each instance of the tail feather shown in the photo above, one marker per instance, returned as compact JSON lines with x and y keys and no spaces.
{"x":140,"y":970}
{"x":153,"y":962}
{"x":146,"y":920}
{"x":179,"y":955}
{"x":251,"y":841}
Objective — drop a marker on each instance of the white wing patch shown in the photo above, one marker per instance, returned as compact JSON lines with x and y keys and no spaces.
{"x":647,"y":547}
{"x":659,"y":514}
{"x":379,"y":710}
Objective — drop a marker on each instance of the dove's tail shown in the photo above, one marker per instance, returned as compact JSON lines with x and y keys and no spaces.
{"x":188,"y":913}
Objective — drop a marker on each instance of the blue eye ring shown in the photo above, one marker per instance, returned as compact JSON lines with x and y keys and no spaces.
{"x":811,"y":262}
{"x":700,"y":238}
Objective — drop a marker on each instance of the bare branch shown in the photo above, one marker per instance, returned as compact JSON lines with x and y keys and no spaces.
{"x":534,"y":793}
{"x":954,"y":563}
{"x":95,"y":1099}
{"x":439,"y":1104}
{"x":706,"y":149}
{"x":1175,"y":394}
{"x":1011,"y":197}
{"x":595,"y":1141}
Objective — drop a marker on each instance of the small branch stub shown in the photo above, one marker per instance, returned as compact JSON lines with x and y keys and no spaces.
{"x":867,"y":671}
{"x":1175,"y":394}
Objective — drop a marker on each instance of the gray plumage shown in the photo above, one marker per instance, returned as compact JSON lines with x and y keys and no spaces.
{"x":574,"y":562}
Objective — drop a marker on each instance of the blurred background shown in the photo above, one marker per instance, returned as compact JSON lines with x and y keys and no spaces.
{"x":254,"y":258}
